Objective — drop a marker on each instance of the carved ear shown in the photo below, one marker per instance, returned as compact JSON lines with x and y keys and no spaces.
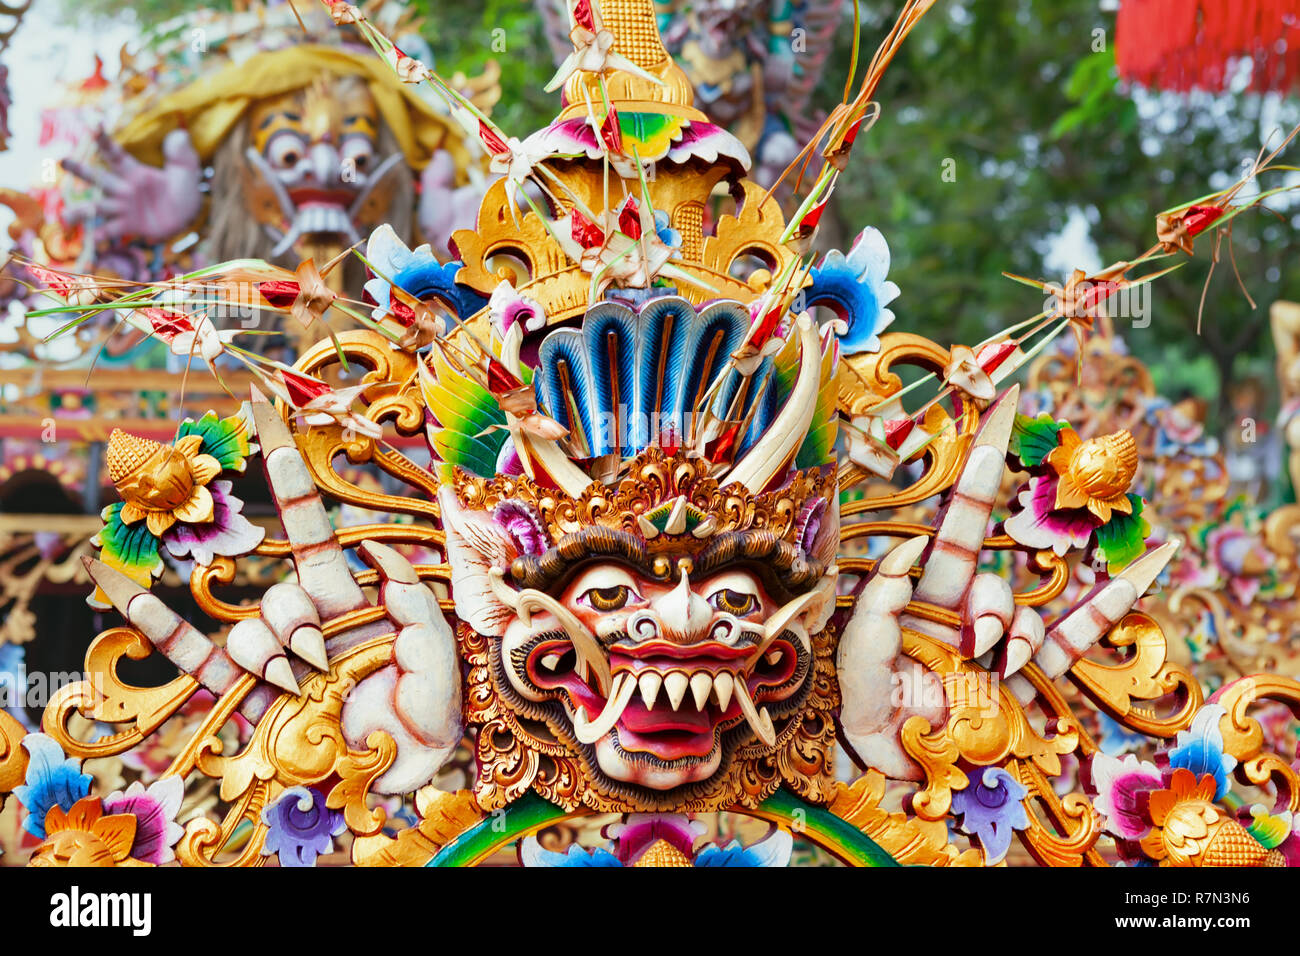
{"x":475,"y":544}
{"x":819,"y":531}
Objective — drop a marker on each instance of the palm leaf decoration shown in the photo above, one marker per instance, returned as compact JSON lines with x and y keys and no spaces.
{"x":465,"y":425}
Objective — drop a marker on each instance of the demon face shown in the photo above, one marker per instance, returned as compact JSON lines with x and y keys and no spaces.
{"x":316,"y":164}
{"x":655,"y":651}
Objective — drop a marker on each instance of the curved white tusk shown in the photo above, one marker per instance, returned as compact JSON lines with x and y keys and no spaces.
{"x":778,"y":622}
{"x":259,"y":163}
{"x":759,"y":721}
{"x":385,"y":169}
{"x":287,"y":240}
{"x":590,"y":732}
{"x":584,"y":642}
{"x":783,"y":438}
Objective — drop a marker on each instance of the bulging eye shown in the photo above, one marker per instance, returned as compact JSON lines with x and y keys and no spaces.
{"x":609,"y":599}
{"x":284,"y":150}
{"x":356,"y":153}
{"x":733,"y":602}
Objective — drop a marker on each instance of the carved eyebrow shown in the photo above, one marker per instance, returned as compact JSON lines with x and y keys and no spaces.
{"x":783,"y":568}
{"x":573,"y":550}
{"x":739,"y":579}
{"x":283,"y":115}
{"x":618,"y":574}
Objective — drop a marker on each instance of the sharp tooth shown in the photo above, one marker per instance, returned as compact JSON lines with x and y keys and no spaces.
{"x":550,"y":661}
{"x":676,"y":684}
{"x":722,"y":686}
{"x":759,"y":721}
{"x":649,"y":682}
{"x":701,"y":684}
{"x":589,"y":733}
{"x":772,"y":657}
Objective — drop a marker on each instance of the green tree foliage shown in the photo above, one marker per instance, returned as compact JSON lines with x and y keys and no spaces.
{"x":1022,"y":95}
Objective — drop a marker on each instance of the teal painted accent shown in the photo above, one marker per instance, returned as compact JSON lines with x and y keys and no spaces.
{"x":839,"y":836}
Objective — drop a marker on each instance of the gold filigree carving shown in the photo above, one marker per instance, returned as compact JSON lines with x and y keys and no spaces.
{"x":911,"y":841}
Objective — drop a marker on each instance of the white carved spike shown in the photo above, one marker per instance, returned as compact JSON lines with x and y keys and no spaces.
{"x":890,"y":586}
{"x":676,"y":522}
{"x":960,"y":537}
{"x":705,"y":527}
{"x":760,"y":722}
{"x":588,"y":732}
{"x":390,"y":564}
{"x":986,"y":632}
{"x":1081,"y":628}
{"x":308,"y":643}
{"x":279,"y":673}
{"x":585,"y":645}
{"x":254,"y":648}
{"x":648,"y":529}
{"x":780,"y":621}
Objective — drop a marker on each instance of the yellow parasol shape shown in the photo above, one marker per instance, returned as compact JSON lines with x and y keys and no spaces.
{"x":210,"y":107}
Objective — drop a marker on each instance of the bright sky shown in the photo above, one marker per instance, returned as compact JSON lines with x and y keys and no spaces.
{"x":46,"y":55}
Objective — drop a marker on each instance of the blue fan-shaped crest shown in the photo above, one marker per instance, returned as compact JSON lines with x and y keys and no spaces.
{"x":635,"y":379}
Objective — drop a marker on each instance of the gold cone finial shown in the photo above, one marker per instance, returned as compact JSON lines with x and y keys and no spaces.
{"x":127,"y":453}
{"x":635,"y":29}
{"x":663,"y":853}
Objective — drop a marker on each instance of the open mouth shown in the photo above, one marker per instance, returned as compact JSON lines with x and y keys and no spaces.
{"x":666,"y":700}
{"x":324,"y":197}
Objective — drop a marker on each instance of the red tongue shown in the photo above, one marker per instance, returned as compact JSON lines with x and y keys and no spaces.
{"x":663,"y":718}
{"x":668,"y":734}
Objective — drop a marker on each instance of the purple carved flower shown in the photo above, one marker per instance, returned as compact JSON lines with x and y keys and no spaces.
{"x":1039,"y":524}
{"x":522,"y":524}
{"x":1118,"y":784}
{"x":301,"y":827}
{"x":228,"y":533}
{"x":991,"y":810}
{"x":154,"y":809}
